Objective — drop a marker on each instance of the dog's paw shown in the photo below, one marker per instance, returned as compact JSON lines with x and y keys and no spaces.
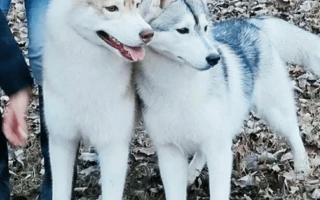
{"x":302,"y":165}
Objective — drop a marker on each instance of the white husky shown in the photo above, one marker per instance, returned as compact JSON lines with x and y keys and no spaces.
{"x":87,"y":86}
{"x":187,"y":110}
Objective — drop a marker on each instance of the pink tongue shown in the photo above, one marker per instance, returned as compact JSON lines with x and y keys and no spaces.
{"x":137,"y":53}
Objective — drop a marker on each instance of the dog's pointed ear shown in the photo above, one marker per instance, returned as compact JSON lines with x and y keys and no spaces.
{"x":150,"y":9}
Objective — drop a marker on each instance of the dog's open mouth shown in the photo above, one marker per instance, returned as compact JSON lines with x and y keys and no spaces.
{"x":131,"y":53}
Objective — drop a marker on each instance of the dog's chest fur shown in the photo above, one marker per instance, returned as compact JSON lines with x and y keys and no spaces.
{"x":183,"y":106}
{"x":90,"y":88}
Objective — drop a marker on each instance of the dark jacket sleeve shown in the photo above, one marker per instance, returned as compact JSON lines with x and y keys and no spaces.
{"x":14,"y":71}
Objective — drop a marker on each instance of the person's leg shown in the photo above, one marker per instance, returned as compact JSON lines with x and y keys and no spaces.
{"x":5,"y":6}
{"x":36,"y":11}
{"x":46,"y":189}
{"x":4,"y":170}
{"x":36,"y":14}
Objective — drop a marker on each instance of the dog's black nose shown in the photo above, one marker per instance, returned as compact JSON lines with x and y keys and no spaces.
{"x":213,"y":59}
{"x":146,"y":35}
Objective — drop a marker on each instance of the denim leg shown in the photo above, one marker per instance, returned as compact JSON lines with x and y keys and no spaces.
{"x":74,"y":179}
{"x":5,"y":6}
{"x":46,"y":188}
{"x":36,"y":11}
{"x":36,"y":15}
{"x":4,"y":170}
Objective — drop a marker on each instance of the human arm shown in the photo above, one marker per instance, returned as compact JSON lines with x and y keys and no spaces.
{"x":16,"y":81}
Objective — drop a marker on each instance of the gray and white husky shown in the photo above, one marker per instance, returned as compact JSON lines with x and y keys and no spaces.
{"x":200,"y":79}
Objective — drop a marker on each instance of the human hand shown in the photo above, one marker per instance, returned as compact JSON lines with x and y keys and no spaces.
{"x":15,"y":127}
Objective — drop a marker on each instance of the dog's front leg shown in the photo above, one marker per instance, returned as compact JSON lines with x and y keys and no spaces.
{"x":113,"y":164}
{"x":219,"y":160}
{"x":62,"y":157}
{"x":173,"y":168}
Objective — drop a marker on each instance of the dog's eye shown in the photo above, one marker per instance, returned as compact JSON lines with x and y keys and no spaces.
{"x":138,"y":5}
{"x":205,"y":28}
{"x":112,"y":8}
{"x":183,"y":30}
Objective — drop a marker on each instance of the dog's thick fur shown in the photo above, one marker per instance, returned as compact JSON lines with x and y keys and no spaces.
{"x":87,"y":88}
{"x":187,"y":110}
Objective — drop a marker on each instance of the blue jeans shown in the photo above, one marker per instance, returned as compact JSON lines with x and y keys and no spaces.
{"x":4,"y":171}
{"x":46,"y":187}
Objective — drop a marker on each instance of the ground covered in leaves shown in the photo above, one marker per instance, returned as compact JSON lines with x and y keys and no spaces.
{"x":263,"y":166}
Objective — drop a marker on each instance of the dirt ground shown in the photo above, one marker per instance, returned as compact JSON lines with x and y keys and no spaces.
{"x":263,"y":166}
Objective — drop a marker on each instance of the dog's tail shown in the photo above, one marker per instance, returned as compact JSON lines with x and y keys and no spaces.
{"x":294,"y":44}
